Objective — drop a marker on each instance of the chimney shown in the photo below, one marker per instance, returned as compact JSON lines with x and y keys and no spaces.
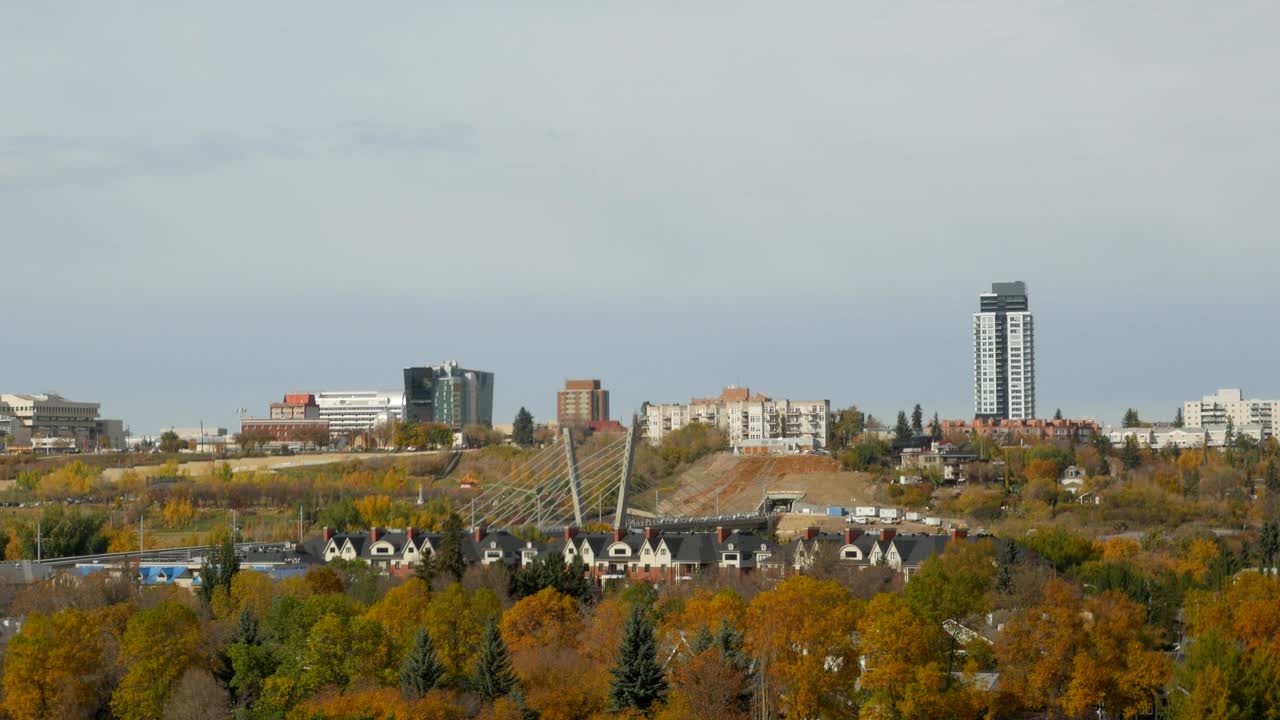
{"x":810,"y":533}
{"x":570,"y":533}
{"x":618,"y":534}
{"x":477,"y":533}
{"x":722,"y":534}
{"x":850,"y":535}
{"x":374,"y":534}
{"x":409,"y":533}
{"x":887,"y":534}
{"x":650,"y":534}
{"x":958,"y":534}
{"x":327,"y":534}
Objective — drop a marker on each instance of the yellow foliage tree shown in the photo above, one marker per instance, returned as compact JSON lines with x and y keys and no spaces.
{"x":402,"y":610}
{"x":159,"y":645}
{"x":801,"y":630}
{"x":455,"y":620}
{"x":548,"y":619}
{"x":178,"y":512}
{"x":50,"y":667}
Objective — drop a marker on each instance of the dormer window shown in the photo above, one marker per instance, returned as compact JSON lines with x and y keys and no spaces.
{"x":729,"y":546}
{"x":493,"y":544}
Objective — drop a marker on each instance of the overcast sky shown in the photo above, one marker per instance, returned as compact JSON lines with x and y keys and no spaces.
{"x":203,"y":206}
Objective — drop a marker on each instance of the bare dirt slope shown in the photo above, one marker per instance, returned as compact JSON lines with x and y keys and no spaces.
{"x":740,"y":483}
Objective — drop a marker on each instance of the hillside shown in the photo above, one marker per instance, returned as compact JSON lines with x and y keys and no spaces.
{"x":740,"y":483}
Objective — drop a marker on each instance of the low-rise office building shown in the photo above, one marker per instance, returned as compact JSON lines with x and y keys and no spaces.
{"x":358,"y":410}
{"x":1229,"y":404}
{"x":52,"y":423}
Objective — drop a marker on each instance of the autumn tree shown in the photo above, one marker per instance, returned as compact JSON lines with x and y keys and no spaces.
{"x":638,"y":679}
{"x":801,"y":633}
{"x":455,"y":618}
{"x":218,"y":568}
{"x":197,"y":696}
{"x":154,"y":667}
{"x":546,"y":619}
{"x":905,"y":675}
{"x":50,"y":667}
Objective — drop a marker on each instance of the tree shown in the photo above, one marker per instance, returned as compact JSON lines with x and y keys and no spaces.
{"x":1130,"y":455}
{"x":50,"y":667}
{"x":1131,"y":419}
{"x":217,"y":569}
{"x":171,"y":443}
{"x":899,"y":649}
{"x":547,"y":619}
{"x":638,"y":679}
{"x":421,"y":671}
{"x":448,"y":558}
{"x":902,"y":430}
{"x":522,"y":428}
{"x":455,"y":618}
{"x":494,"y":677}
{"x":917,"y":419}
{"x":1178,"y":421}
{"x":159,"y":645}
{"x":1057,"y":414}
{"x":1271,"y":477}
{"x":846,"y":425}
{"x":1231,"y":433}
{"x":197,"y":696}
{"x":935,"y":428}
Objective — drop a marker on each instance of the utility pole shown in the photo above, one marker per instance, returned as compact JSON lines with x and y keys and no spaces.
{"x":38,"y":549}
{"x":299,"y":524}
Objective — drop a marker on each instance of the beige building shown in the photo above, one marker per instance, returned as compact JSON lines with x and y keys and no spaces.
{"x":59,"y":423}
{"x":1230,"y":404}
{"x":745,"y":418}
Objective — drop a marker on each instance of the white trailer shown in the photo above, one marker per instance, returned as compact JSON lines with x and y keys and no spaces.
{"x":866,"y":511}
{"x":933,"y":522}
{"x":889,"y":514}
{"x":914,"y":516}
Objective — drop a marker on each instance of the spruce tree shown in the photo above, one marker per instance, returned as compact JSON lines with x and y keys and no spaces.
{"x":494,"y":677}
{"x":1057,"y":414}
{"x":638,"y":679}
{"x":1130,"y":455}
{"x":1178,"y":421}
{"x":1271,"y":477}
{"x":522,"y":428}
{"x":216,"y":570}
{"x":902,"y":430}
{"x":917,"y":419}
{"x":701,"y":643}
{"x":729,"y":641}
{"x":449,"y":559}
{"x":426,"y":569}
{"x":1131,"y":418}
{"x":935,"y":429}
{"x":420,"y":671}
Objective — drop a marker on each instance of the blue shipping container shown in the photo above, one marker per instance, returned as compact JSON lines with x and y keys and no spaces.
{"x":835,"y":511}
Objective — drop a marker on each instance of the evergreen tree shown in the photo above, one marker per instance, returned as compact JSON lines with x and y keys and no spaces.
{"x":701,"y":643}
{"x":1269,"y":545}
{"x":729,"y":641}
{"x":1271,"y":477}
{"x":917,"y":419}
{"x":1231,"y":434}
{"x":1131,"y":418}
{"x":246,"y":629}
{"x":522,"y":428}
{"x":426,"y":568}
{"x":1130,"y":455}
{"x":935,"y":428}
{"x":1057,"y":414}
{"x":1006,"y":557}
{"x":1177,"y":419}
{"x":218,"y":567}
{"x":638,"y":680}
{"x":420,"y":671}
{"x":494,"y":677}
{"x":448,"y":559}
{"x":902,"y":431}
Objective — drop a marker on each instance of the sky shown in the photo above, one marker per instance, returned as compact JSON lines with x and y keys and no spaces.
{"x":204,"y":206}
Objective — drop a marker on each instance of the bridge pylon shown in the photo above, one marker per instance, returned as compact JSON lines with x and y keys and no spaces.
{"x":624,"y":482}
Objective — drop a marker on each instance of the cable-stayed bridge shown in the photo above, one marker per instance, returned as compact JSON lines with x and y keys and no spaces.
{"x":563,"y":485}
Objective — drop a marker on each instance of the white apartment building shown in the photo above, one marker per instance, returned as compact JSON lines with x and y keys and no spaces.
{"x":359,"y":410}
{"x":1004,"y":368}
{"x":1230,"y":404}
{"x":745,"y":418}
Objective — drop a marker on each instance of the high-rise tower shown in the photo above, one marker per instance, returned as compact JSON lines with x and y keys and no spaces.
{"x":1004,"y":358}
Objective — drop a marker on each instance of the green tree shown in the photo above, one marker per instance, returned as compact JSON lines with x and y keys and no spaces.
{"x":1057,"y":414}
{"x":217,"y":569}
{"x":522,"y":428}
{"x":1131,"y":419}
{"x":1178,"y":421}
{"x":1130,"y":455}
{"x":421,"y":671}
{"x":638,"y":679}
{"x":1271,"y":477}
{"x":902,"y":430}
{"x":494,"y":677}
{"x":426,"y":569}
{"x":846,"y":425}
{"x":170,"y":442}
{"x":917,"y":419}
{"x":448,"y":559}
{"x":935,"y":428}
{"x":158,"y":646}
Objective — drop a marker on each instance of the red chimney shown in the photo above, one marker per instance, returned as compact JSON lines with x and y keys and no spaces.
{"x":887,"y":534}
{"x":374,"y":533}
{"x":478,"y":533}
{"x":850,"y":535}
{"x":651,"y":534}
{"x":958,"y":534}
{"x":409,"y":534}
{"x":618,"y":534}
{"x":810,"y":533}
{"x":327,"y":534}
{"x":722,"y":534}
{"x":570,"y":533}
